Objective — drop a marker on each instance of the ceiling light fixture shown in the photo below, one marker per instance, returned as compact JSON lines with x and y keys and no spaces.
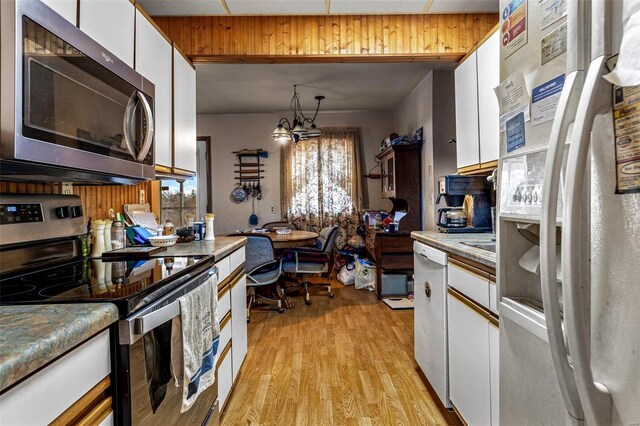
{"x":295,"y":129}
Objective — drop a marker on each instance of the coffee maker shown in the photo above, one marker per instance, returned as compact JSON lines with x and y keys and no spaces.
{"x":453,"y":219}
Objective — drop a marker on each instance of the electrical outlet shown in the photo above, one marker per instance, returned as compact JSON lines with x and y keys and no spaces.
{"x":67,"y":188}
{"x":142,"y":197}
{"x":272,"y":210}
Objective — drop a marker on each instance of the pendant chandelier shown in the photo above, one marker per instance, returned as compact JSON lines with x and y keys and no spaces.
{"x":295,"y":129}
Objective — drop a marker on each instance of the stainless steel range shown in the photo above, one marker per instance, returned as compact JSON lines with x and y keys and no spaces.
{"x":41,"y":261}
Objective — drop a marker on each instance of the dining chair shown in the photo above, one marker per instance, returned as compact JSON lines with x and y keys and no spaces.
{"x":308,"y":261}
{"x":280,"y":224}
{"x":263,"y":269}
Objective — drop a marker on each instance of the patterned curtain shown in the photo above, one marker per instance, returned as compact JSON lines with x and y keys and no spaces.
{"x":321,"y":182}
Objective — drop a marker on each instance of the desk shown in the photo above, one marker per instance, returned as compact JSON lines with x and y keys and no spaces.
{"x":392,"y":252}
{"x":293,"y":239}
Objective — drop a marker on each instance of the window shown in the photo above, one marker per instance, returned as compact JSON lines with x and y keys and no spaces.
{"x":178,"y":197}
{"x":322,"y":176}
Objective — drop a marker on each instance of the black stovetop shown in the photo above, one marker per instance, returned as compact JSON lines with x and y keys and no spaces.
{"x":129,"y":284}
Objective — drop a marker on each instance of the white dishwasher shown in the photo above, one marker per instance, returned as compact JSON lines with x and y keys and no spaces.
{"x":430,"y":317}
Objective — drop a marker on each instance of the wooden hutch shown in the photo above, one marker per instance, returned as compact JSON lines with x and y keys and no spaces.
{"x":402,"y":185}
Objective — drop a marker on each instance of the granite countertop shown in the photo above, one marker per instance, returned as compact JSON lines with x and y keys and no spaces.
{"x":452,"y":243}
{"x":32,"y":336}
{"x":218,"y":248}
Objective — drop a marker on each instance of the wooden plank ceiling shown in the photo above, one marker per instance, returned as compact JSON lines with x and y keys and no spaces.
{"x":345,"y":38}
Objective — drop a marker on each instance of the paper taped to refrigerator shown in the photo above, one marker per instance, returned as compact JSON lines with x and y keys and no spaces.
{"x":513,"y":25}
{"x":513,"y":98}
{"x":626,"y":118}
{"x":544,"y":100}
{"x":554,"y":44}
{"x":627,"y":70}
{"x":552,"y":10}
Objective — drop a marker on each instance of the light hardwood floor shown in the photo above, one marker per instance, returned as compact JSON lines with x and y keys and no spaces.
{"x":347,"y":360}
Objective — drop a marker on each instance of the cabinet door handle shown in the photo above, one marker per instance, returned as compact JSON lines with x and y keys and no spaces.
{"x":427,"y":289}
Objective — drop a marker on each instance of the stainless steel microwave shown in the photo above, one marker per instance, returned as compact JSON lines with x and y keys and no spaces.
{"x":71,"y":110}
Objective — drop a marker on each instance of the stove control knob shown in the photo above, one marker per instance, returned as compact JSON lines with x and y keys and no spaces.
{"x":63,"y":212}
{"x":75,"y":211}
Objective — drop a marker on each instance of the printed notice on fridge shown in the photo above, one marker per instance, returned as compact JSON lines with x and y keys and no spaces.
{"x":544,"y":100}
{"x":513,"y":98}
{"x":514,"y":26}
{"x":554,"y":44}
{"x":626,"y":119}
{"x":552,"y":10}
{"x":515,"y":132}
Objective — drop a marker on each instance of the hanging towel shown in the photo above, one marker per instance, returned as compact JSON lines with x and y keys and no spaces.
{"x":194,"y":342}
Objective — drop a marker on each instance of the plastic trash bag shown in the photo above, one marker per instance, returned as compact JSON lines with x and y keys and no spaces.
{"x":347,"y":274}
{"x":365,"y":274}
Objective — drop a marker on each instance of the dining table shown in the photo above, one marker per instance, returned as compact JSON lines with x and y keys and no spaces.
{"x":293,"y":239}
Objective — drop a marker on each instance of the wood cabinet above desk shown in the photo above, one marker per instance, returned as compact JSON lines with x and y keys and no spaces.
{"x":401,"y":182}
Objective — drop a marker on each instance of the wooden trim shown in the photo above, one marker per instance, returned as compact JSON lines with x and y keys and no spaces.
{"x":182,"y":172}
{"x":237,"y":279}
{"x":483,"y":275}
{"x":96,"y":416}
{"x":222,"y":291}
{"x":323,"y":59}
{"x":152,"y":22}
{"x":232,"y":276}
{"x":163,"y":169}
{"x":223,"y":355}
{"x":481,"y":42}
{"x":84,"y":406}
{"x":482,"y":267}
{"x":225,"y":320}
{"x":224,"y":5}
{"x":480,"y":168}
{"x":173,"y":109}
{"x":327,"y":38}
{"x":469,"y":303}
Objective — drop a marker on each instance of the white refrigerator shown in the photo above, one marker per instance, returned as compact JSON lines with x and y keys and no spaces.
{"x":569,"y":245}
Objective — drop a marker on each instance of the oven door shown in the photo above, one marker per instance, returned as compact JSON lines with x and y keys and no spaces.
{"x":79,"y":106}
{"x":147,"y":394}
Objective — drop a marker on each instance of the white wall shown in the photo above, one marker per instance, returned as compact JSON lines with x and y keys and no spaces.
{"x":431,"y":105}
{"x":231,"y":132}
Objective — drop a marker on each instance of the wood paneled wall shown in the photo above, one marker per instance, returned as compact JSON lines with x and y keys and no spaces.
{"x":97,"y":200}
{"x":346,"y":38}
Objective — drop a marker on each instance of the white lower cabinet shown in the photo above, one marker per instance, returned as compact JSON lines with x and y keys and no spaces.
{"x":494,"y":356}
{"x":232,"y":313}
{"x":239,"y":323}
{"x":469,"y":372}
{"x":225,"y":376}
{"x":42,"y":397}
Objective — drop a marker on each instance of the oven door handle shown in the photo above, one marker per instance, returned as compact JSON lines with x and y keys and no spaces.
{"x":148,"y":322}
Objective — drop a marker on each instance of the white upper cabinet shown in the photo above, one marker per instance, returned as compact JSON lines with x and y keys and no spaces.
{"x":112,"y":24}
{"x":488,"y":108}
{"x":153,"y":61}
{"x":68,"y":9}
{"x":184,"y":113}
{"x":467,"y":144}
{"x":477,"y":109}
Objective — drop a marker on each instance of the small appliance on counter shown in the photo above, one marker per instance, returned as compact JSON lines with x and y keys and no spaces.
{"x":454,"y":189}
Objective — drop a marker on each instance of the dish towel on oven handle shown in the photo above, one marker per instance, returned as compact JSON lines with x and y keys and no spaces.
{"x":194,"y":341}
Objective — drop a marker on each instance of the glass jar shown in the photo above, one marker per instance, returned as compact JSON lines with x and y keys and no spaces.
{"x":118,"y":235}
{"x":169,"y":228}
